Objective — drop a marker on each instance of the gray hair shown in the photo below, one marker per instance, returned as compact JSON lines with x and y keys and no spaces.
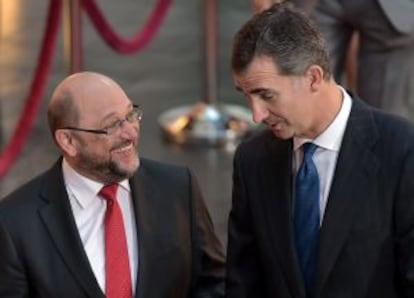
{"x":286,"y":35}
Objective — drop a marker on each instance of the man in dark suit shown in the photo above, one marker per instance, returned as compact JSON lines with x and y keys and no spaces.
{"x":336,"y":221}
{"x":63,"y":235}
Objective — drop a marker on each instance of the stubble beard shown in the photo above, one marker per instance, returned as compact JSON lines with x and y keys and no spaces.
{"x":106,"y":171}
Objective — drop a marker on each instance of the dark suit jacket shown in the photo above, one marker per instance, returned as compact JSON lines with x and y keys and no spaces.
{"x":41,"y":254}
{"x":366,"y":247}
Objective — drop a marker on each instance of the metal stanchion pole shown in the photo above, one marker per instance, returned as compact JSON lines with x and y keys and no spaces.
{"x":211,"y":47}
{"x":207,"y":122}
{"x":72,"y":35}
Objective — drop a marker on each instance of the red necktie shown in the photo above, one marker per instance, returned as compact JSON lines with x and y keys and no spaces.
{"x":118,"y":274}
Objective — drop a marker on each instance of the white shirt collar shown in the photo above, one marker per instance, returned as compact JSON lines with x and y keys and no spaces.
{"x":331,"y":137}
{"x":83,"y":189}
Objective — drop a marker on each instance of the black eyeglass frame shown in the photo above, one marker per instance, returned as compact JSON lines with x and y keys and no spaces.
{"x":135,"y":108}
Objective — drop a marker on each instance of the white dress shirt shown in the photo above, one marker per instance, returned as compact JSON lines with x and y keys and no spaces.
{"x":89,"y":211}
{"x":325,"y":157}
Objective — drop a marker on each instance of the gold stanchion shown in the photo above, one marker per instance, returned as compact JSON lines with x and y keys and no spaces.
{"x":72,"y":36}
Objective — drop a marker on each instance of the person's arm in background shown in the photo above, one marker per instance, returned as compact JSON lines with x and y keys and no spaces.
{"x":259,"y":5}
{"x":351,"y":63}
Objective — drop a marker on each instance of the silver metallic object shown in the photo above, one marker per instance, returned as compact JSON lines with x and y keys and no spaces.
{"x":208,"y":122}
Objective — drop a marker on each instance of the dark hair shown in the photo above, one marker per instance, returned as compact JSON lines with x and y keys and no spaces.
{"x":286,"y":35}
{"x":62,"y":111}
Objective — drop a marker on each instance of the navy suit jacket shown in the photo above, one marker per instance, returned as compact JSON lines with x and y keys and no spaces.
{"x":41,"y":253}
{"x":366,"y":247}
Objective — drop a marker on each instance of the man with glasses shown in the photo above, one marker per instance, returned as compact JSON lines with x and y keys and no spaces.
{"x":103,"y":222}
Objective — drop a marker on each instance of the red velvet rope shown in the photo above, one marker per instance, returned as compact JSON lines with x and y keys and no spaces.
{"x":137,"y":42}
{"x":25,"y":123}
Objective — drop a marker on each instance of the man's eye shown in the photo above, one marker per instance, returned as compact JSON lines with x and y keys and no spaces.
{"x":113,"y":124}
{"x":131,"y":116}
{"x":266,"y":96}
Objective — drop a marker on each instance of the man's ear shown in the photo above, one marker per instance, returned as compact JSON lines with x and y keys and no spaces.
{"x":314,"y":74}
{"x":66,"y":142}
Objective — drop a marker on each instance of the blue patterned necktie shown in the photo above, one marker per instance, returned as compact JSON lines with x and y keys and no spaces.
{"x":307,"y":216}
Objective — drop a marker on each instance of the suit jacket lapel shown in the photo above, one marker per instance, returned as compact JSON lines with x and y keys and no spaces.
{"x":277,"y":192}
{"x":148,"y":221}
{"x":138,"y":188}
{"x":60,"y":223}
{"x":356,"y":167}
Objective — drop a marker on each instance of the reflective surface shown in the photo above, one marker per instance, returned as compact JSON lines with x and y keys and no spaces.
{"x":206,"y":124}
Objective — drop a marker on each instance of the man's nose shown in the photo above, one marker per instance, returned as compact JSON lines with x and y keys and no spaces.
{"x":259,"y":111}
{"x":129,"y":130}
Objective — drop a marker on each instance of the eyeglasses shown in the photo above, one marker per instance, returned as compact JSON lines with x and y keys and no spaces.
{"x":132,"y":117}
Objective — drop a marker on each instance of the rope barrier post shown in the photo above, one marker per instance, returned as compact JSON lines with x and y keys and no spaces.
{"x":211,"y":47}
{"x":207,"y":122}
{"x":25,"y":122}
{"x":72,"y":35}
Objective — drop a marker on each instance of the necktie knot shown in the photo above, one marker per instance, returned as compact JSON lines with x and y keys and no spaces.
{"x":308,"y":150}
{"x":308,"y":165}
{"x":108,"y":192}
